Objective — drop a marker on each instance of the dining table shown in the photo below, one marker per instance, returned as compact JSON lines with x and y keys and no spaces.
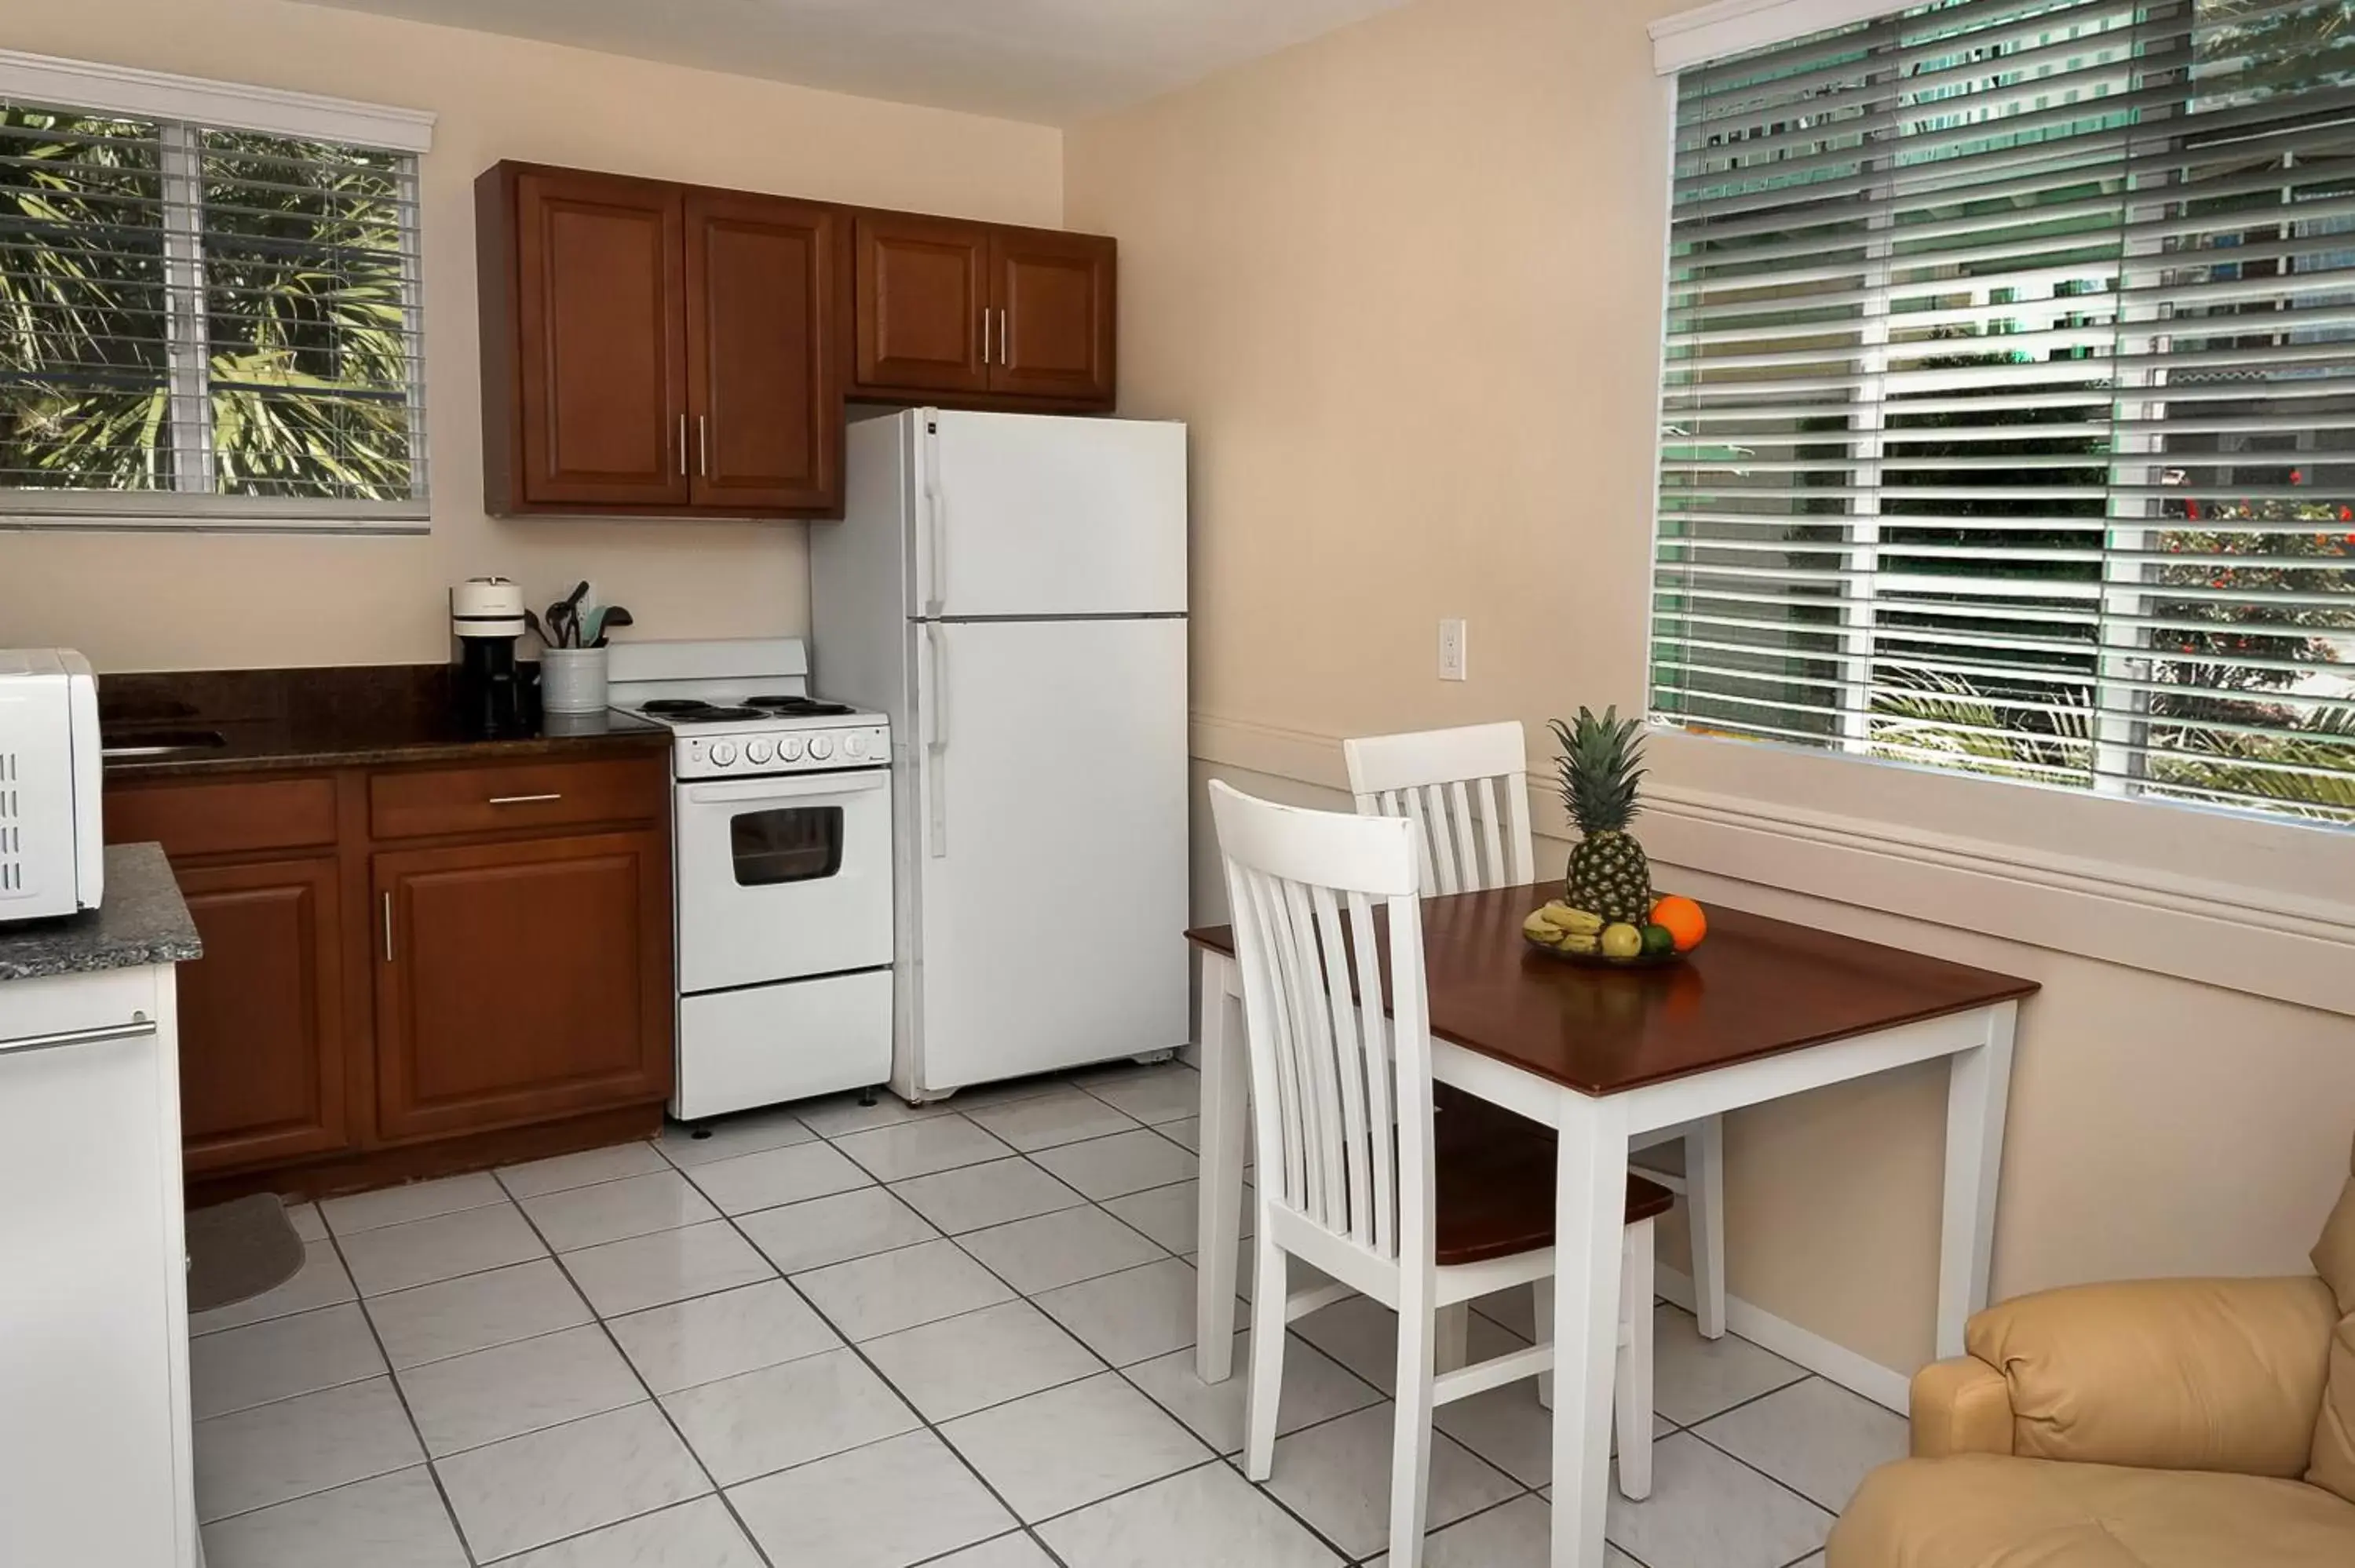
{"x":1761,"y":1009}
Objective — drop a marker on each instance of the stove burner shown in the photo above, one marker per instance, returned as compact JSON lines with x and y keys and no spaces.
{"x":676,"y":705}
{"x":806,"y":707}
{"x":704,"y":713}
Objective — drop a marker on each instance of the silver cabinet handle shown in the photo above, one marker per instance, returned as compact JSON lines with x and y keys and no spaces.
{"x":703,"y":444}
{"x":138,"y":1028}
{"x":1005,"y":342}
{"x":682,"y":446}
{"x":525,"y":800}
{"x":985,"y":334}
{"x":388,"y":927}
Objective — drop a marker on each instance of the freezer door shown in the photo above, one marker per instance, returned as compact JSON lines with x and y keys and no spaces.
{"x":1030,"y":514}
{"x":1049,"y":858}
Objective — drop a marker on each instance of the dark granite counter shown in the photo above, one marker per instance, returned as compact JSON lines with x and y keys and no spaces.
{"x":202,"y":722}
{"x":140,"y":920}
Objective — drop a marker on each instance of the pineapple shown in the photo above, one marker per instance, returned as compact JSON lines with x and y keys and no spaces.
{"x":1602,"y":766}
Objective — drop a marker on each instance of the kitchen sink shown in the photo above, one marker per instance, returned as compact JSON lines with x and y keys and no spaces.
{"x":160,"y":742}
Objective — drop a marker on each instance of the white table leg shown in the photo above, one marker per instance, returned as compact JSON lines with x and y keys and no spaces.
{"x":1705,"y":1209}
{"x":1979,"y":1086}
{"x":1590,"y":1221}
{"x":1218,"y":1223}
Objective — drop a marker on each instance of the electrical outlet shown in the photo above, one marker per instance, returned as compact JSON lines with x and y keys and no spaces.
{"x":1451,"y":649}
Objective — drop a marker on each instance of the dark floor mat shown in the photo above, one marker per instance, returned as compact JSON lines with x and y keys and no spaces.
{"x":237,"y":1250}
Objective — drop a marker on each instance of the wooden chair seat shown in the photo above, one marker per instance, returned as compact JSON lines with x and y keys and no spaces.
{"x":1494,"y":1175}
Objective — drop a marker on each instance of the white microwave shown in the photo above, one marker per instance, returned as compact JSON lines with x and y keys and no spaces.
{"x":51,"y":856}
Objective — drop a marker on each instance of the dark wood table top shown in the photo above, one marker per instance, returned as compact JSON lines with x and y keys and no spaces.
{"x":1756,"y":987}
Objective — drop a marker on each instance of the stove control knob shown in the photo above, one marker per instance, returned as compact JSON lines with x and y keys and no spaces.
{"x":821,"y":747}
{"x":789,"y":749}
{"x":723,"y":752}
{"x":853,"y":746}
{"x":756,"y":751}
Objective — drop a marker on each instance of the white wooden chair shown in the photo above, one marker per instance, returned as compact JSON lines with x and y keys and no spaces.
{"x":1352,"y":1177}
{"x":1466,"y":790}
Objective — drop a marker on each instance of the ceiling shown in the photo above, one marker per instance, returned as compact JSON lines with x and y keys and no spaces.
{"x":1054,"y":62}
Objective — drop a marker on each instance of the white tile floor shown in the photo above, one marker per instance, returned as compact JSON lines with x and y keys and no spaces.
{"x":867,"y":1337}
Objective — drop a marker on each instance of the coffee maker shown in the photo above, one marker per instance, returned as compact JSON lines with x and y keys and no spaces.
{"x":494,"y":700}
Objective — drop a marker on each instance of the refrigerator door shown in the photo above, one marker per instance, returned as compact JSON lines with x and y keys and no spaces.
{"x":1048,"y":855}
{"x":1030,"y":515}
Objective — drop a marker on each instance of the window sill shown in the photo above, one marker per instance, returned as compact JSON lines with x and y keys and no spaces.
{"x":164,"y":512}
{"x":2100,"y":878}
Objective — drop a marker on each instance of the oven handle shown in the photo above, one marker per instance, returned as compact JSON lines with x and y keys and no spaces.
{"x":789,"y":789}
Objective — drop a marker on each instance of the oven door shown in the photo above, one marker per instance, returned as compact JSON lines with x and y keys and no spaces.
{"x":781,"y":878}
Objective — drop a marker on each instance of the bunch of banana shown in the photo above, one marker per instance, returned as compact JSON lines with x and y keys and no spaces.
{"x":1557,"y":924}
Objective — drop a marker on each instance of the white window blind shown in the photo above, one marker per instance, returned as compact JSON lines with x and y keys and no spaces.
{"x":206,"y":324}
{"x":2008,"y":413}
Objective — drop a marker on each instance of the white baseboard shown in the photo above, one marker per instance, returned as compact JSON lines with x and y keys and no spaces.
{"x":1882,"y":1385}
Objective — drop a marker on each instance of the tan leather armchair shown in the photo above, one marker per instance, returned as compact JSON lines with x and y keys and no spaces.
{"x":2164,"y":1424}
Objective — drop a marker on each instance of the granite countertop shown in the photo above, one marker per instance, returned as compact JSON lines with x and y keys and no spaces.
{"x":347,"y":716}
{"x":140,"y":920}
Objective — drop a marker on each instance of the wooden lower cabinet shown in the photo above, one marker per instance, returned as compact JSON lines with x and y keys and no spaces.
{"x":402,"y":979}
{"x":520,"y":980}
{"x":261,"y":1036}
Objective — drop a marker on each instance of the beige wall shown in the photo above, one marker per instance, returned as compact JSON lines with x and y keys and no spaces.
{"x":139,"y":601}
{"x":1404,"y":282}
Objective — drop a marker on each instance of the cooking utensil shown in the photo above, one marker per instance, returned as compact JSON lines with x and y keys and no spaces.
{"x":564,"y":618}
{"x":614,"y":618}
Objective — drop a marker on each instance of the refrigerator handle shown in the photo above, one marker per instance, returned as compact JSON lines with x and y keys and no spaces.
{"x":935,"y":535}
{"x":936,"y":744}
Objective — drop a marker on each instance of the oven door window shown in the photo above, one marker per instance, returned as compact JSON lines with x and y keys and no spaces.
{"x":785,"y":843}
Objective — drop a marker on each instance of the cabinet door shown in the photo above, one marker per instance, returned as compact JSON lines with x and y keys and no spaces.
{"x":521,"y":981}
{"x":1053,"y":295}
{"x":261,"y":1037}
{"x":601,"y":318}
{"x":761,"y":293}
{"x":924,"y":290}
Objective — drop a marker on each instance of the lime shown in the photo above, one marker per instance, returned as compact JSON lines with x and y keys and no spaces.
{"x":1658,"y":940}
{"x":1621,"y":940}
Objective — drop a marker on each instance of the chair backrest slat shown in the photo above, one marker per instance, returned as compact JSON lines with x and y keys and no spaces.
{"x":1465,"y":791}
{"x":1342,"y":1092}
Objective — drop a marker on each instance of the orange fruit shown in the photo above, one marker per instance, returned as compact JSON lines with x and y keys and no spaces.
{"x":1684,"y":919}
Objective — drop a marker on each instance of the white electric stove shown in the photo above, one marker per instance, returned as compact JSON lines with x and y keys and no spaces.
{"x":781,"y":821}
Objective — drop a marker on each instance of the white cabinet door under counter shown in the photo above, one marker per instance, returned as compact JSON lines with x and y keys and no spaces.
{"x":94,"y":1430}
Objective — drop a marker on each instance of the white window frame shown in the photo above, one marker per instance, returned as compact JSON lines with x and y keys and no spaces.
{"x":181,"y":101}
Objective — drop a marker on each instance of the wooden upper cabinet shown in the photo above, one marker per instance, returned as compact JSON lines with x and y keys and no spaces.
{"x":1053,"y":296}
{"x":659,"y":349}
{"x":600,"y":335}
{"x":764,"y":392}
{"x":923,"y":295}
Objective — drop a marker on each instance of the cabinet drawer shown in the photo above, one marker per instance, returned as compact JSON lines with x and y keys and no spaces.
{"x":495,"y":800}
{"x":225,"y":818}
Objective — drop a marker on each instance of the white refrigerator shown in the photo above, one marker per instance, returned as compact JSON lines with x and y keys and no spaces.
{"x":1011,"y":589}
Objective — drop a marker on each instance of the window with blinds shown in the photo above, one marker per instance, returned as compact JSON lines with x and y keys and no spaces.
{"x":2007,"y":411}
{"x":201,"y":325}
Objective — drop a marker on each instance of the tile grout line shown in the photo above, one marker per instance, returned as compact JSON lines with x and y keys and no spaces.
{"x":1233,"y":1461}
{"x":927,"y":1424}
{"x":1125,"y":1381}
{"x":1084,"y":1201}
{"x":358,"y":1302}
{"x":1705,"y":1442}
{"x":1129,"y":1383}
{"x":652,"y":1398}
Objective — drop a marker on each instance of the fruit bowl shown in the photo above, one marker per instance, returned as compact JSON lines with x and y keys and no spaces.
{"x":1604,"y":960}
{"x":1576,"y":936}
